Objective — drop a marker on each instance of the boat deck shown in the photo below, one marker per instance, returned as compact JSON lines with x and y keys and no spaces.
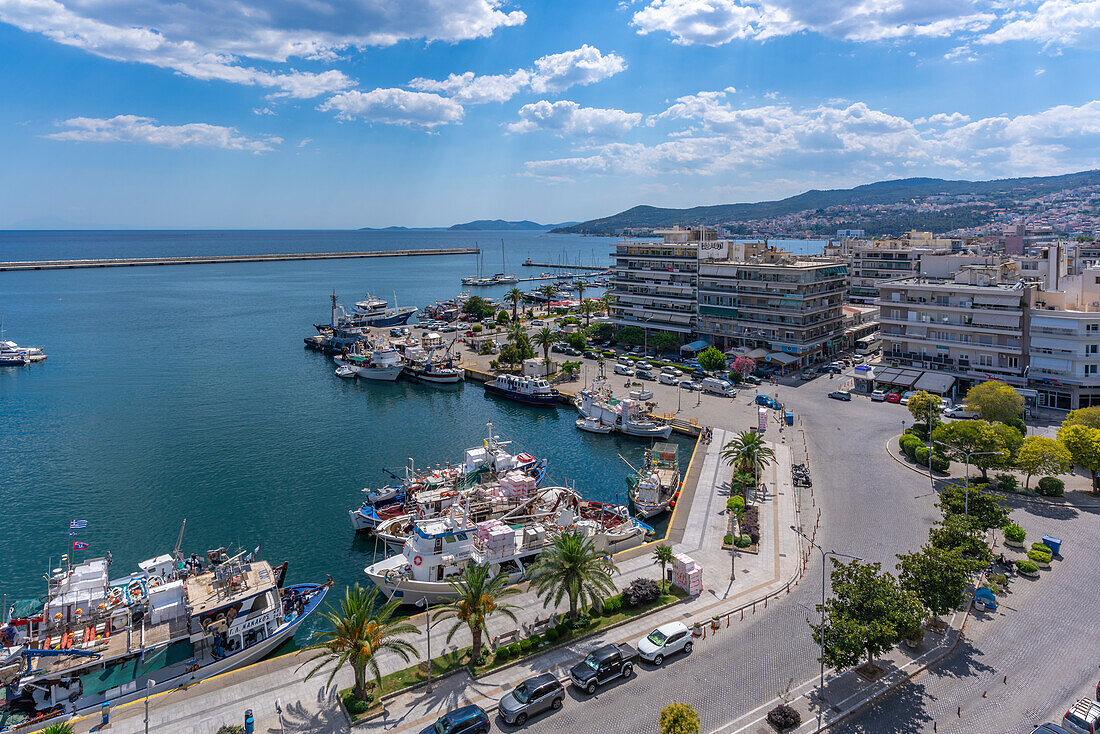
{"x":118,"y":644}
{"x":226,"y":585}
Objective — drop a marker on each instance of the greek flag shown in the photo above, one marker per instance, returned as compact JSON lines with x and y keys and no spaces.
{"x":78,"y":524}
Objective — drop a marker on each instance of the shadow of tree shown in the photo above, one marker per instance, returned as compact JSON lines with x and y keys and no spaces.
{"x":324,"y":717}
{"x":903,"y":711}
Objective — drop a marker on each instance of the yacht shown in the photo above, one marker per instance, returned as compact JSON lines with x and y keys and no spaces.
{"x":529,"y":390}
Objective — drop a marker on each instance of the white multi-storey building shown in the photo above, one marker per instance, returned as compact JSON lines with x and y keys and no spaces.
{"x":873,"y":261}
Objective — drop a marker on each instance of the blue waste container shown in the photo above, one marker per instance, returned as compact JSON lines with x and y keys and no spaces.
{"x":1055,"y":544}
{"x":249,"y":722}
{"x":105,"y":713}
{"x":789,"y":417}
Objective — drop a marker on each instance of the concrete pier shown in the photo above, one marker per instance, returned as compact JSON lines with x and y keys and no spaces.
{"x":129,"y":262}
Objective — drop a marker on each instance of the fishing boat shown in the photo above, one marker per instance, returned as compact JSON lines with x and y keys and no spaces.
{"x":528,"y":390}
{"x":366,"y":313}
{"x":439,"y":549}
{"x":173,"y":622}
{"x":653,"y":487}
{"x":624,"y":416}
{"x":592,"y":425}
{"x":345,"y":371}
{"x":421,"y":367}
{"x":378,"y":362}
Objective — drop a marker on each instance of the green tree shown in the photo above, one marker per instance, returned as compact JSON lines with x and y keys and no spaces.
{"x":995,"y":401}
{"x":548,"y":291}
{"x":577,"y":341}
{"x":600,"y":331}
{"x":1083,"y":417}
{"x":940,"y":578}
{"x":607,"y":302}
{"x":586,"y":309}
{"x":662,"y":556}
{"x":981,"y":507}
{"x":544,"y":339}
{"x":477,"y":307}
{"x":572,"y":568}
{"x":925,"y":408}
{"x":361,"y":628}
{"x":630,"y":335}
{"x":1083,"y":443}
{"x":478,"y":597}
{"x":502,"y":318}
{"x":867,"y":615}
{"x":956,"y":532}
{"x":515,"y":296}
{"x":1042,"y":455}
{"x":747,"y":451}
{"x":665,"y":341}
{"x":712,"y":360}
{"x":678,"y":718}
{"x":990,"y":445}
{"x":581,"y":286}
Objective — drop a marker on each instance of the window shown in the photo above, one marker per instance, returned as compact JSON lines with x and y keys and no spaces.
{"x":985,"y":360}
{"x":1091,"y":369}
{"x":1092,"y":349}
{"x":1013,"y":362}
{"x":895,"y":313}
{"x":1092,"y":327}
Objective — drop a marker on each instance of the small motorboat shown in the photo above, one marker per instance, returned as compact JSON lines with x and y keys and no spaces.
{"x":592,"y":425}
{"x":345,"y":370}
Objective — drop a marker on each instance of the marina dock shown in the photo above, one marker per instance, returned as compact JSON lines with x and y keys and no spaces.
{"x":130,"y":262}
{"x":528,"y":264}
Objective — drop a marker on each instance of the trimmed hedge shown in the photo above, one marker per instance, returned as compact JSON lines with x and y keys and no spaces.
{"x":1039,"y":556}
{"x":1015,"y":533}
{"x":1027,"y":566}
{"x":1051,"y":487}
{"x":1042,"y":548}
{"x":940,"y":463}
{"x":735,"y":504}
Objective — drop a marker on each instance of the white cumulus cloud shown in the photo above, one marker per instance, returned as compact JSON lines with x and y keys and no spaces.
{"x":569,"y":118}
{"x":136,"y":129}
{"x":1053,"y":23}
{"x":551,"y":73}
{"x":395,"y":107}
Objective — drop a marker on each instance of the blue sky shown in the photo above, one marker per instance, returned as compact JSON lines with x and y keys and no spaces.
{"x":349,"y":113}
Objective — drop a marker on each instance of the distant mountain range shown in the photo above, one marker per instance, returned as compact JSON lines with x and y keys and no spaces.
{"x":1000,"y":192}
{"x":494,"y":225}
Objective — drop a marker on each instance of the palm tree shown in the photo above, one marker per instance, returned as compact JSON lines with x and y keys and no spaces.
{"x":544,"y":338}
{"x":361,"y":629}
{"x":63,"y":728}
{"x":586,"y":308}
{"x":747,"y":451}
{"x":581,"y":285}
{"x":516,"y":332}
{"x":479,"y":597}
{"x":606,"y":302}
{"x":662,"y":555}
{"x":572,"y":567}
{"x":548,"y":291}
{"x":515,"y":296}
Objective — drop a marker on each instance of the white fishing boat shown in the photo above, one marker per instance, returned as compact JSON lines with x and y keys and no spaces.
{"x":625,"y":416}
{"x":345,"y":371}
{"x":439,"y":549}
{"x":653,"y":487}
{"x":172,"y":623}
{"x":379,"y":362}
{"x":592,"y":425}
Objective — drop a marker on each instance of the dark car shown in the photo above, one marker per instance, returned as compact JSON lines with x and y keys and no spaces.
{"x":603,"y":664}
{"x":466,"y":720}
{"x":1050,"y":729}
{"x":532,"y":696}
{"x":840,"y":395}
{"x":589,"y":354}
{"x":751,"y":379}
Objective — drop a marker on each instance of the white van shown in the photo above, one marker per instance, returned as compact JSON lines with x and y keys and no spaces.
{"x":715,"y":386}
{"x":666,"y":379}
{"x":622,"y":369}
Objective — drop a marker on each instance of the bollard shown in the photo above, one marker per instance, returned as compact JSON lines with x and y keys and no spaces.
{"x":754,"y":607}
{"x":1006,"y":680}
{"x":983,"y":693}
{"x":249,"y":722}
{"x":742,"y":614}
{"x":727,"y":620}
{"x":934,"y":726}
{"x":105,"y":714}
{"x":959,"y":713}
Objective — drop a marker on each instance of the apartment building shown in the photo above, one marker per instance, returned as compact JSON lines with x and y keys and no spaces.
{"x":782,"y":309}
{"x":973,"y":326}
{"x":873,"y":261}
{"x":1064,"y":343}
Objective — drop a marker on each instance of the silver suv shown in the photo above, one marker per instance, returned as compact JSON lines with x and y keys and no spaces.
{"x":1083,"y":717}
{"x":531,"y":697}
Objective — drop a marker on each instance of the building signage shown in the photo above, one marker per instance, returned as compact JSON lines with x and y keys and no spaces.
{"x":761,"y":419}
{"x":714,"y":250}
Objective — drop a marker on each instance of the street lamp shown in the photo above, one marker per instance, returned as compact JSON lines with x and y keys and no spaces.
{"x":824,"y":553}
{"x":148,"y":686}
{"x":966,"y":477}
{"x":423,"y":602}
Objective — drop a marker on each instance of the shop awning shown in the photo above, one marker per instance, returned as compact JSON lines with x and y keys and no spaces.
{"x":694,"y":347}
{"x":781,"y":358}
{"x":897,"y":376}
{"x":757,"y":353}
{"x":935,"y":382}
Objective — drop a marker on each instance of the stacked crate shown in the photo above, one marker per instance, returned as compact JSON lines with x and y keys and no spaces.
{"x":517,"y":485}
{"x":496,"y":539}
{"x":687,"y":574}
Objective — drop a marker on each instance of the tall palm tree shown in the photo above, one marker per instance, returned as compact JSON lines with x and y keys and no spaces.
{"x":581,"y":285}
{"x":662,"y":555}
{"x":586,"y":308}
{"x":548,"y":291}
{"x":62,"y":728}
{"x":572,"y":567}
{"x":606,"y":302}
{"x":747,"y":451}
{"x":515,"y":296}
{"x":479,"y":597}
{"x":361,"y":628}
{"x":544,"y":338}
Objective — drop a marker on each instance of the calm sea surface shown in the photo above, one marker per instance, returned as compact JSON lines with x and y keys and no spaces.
{"x":185,"y":392}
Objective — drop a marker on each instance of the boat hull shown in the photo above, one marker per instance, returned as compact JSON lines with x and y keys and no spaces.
{"x":660,"y":432}
{"x":543,"y":401}
{"x":429,"y":378}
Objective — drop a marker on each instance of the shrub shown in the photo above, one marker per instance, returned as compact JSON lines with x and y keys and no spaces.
{"x":743,"y":541}
{"x":584,"y":619}
{"x":502,"y":652}
{"x":784,"y":717}
{"x":908,"y":439}
{"x":1042,"y":548}
{"x":503,"y":317}
{"x":940,"y":463}
{"x":1018,"y":424}
{"x":552,"y":634}
{"x":1027,"y":567}
{"x":641,"y":591}
{"x":526,"y":644}
{"x":735,"y":504}
{"x":751,"y":525}
{"x":1015,"y":533}
{"x":613,"y":604}
{"x":351,"y":703}
{"x":234,"y":729}
{"x":514,"y":650}
{"x":476,"y":328}
{"x":920,"y":430}
{"x":1052,"y":486}
{"x":1007,"y":483}
{"x":1039,"y":556}
{"x":727,"y":539}
{"x":921,"y":455}
{"x":564,"y":629}
{"x":486,"y":347}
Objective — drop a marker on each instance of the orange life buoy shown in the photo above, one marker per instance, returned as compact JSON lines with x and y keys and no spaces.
{"x":417,"y":560}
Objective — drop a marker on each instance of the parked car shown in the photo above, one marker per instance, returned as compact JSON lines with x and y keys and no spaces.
{"x":945,"y":404}
{"x":638,"y":350}
{"x":622,"y":369}
{"x":558,"y":347}
{"x":878,"y":396}
{"x":893,"y":397}
{"x":716,"y":386}
{"x":395,"y":331}
{"x":751,"y":380}
{"x":668,"y":639}
{"x":644,"y":375}
{"x":642,"y":364}
{"x":689,"y":385}
{"x":841,"y":395}
{"x":672,"y":371}
{"x":1083,"y":717}
{"x":571,"y":351}
{"x":768,"y":402}
{"x":589,"y":354}
{"x":603,"y":664}
{"x":834,"y":368}
{"x":448,"y":328}
{"x":906,"y":395}
{"x":1050,"y":729}
{"x":807,"y":375}
{"x":466,"y":720}
{"x":667,"y":379}
{"x":538,"y":322}
{"x":960,"y":412}
{"x":625,"y":360}
{"x":532,"y":696}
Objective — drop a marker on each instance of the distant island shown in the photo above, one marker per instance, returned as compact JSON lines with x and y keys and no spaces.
{"x":500,"y":225}
{"x":886,"y":207}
